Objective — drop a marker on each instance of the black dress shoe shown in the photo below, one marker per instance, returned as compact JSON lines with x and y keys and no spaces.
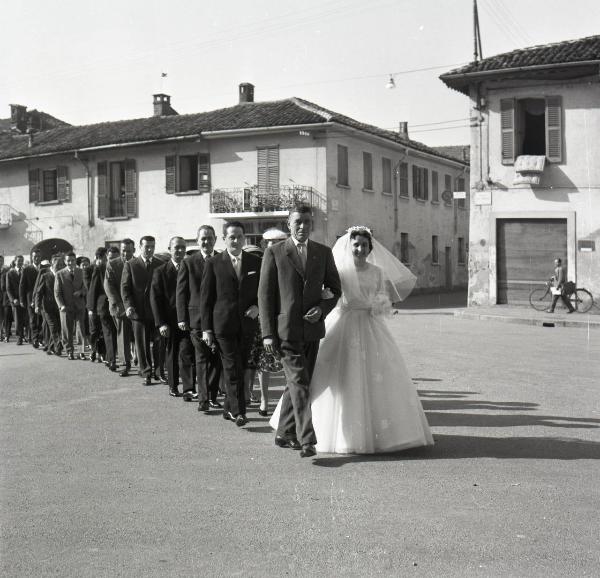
{"x":188,"y":396}
{"x":263,"y":412}
{"x":93,"y":356}
{"x":148,"y":380}
{"x":308,"y":450}
{"x":49,"y":351}
{"x":20,"y":341}
{"x":163,"y":378}
{"x":204,"y":407}
{"x":215,"y":404}
{"x":112,"y":367}
{"x":35,"y":345}
{"x":282,"y":442}
{"x":174,"y":392}
{"x":71,"y":357}
{"x":82,"y":356}
{"x":228,"y":415}
{"x":124,"y":373}
{"x":241,"y":420}
{"x":45,"y":348}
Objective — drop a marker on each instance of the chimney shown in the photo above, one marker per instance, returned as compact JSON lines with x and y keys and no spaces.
{"x":30,"y":134}
{"x":18,"y":118}
{"x":162,"y":105}
{"x":246,"y":92}
{"x":403,"y":129}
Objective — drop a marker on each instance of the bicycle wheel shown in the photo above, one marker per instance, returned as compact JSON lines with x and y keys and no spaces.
{"x":540,"y":299}
{"x":583,"y":300}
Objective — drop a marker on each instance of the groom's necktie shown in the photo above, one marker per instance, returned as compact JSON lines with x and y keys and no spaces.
{"x":301,"y":247}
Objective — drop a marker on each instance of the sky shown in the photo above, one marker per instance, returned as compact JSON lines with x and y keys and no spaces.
{"x":88,"y":61}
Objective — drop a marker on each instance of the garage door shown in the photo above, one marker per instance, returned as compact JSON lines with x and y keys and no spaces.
{"x":525,"y":253}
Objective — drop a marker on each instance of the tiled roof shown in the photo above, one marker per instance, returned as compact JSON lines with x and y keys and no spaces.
{"x":566,"y":52}
{"x":460,"y":152}
{"x":289,"y":112}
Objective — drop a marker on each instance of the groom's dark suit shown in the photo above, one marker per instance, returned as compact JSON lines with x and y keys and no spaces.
{"x":225,"y":300}
{"x":285,"y":295}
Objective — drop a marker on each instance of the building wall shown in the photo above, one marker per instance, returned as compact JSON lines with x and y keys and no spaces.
{"x":389,"y":215}
{"x":569,"y":187}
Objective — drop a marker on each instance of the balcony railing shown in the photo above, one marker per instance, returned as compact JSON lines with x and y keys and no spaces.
{"x":255,"y":200}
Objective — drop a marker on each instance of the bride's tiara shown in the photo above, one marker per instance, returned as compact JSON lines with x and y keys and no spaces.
{"x":359,"y":229}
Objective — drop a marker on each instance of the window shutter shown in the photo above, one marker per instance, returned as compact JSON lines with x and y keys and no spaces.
{"x":507,"y":124}
{"x":102,"y":189}
{"x":342,"y":161}
{"x":63,"y":184}
{"x":435,"y":190}
{"x":261,"y":158}
{"x":367,"y":171}
{"x":426,"y":184}
{"x":415,"y":179}
{"x":131,"y":187}
{"x":204,"y":173}
{"x":273,"y":168}
{"x":554,"y":129}
{"x":171,"y":174}
{"x":34,"y":185}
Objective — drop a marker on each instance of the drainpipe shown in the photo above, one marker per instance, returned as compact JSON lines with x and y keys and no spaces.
{"x":90,"y":198}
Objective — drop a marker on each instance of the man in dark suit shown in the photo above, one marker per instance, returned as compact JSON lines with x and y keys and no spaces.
{"x":98,"y":310}
{"x":135,"y":291}
{"x":189,"y":283}
{"x":26,"y":288}
{"x":292,"y":315}
{"x":5,"y":304}
{"x":45,"y":303}
{"x":13,"y":282}
{"x":69,"y":291}
{"x":164,"y":308}
{"x":229,"y":305}
{"x":112,"y":287}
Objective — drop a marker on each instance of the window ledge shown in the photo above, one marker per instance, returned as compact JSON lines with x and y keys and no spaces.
{"x":340,"y":186}
{"x":366,"y":190}
{"x":436,"y":264}
{"x":449,"y":205}
{"x":187,"y":193}
{"x":116,"y":218}
{"x":462,"y":208}
{"x":422,"y":201}
{"x":386,"y":194}
{"x":404,"y":197}
{"x":435,"y":202}
{"x":45,"y":203}
{"x":462,"y":264}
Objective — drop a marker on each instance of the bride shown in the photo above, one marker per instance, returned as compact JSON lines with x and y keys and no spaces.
{"x":362,"y":397}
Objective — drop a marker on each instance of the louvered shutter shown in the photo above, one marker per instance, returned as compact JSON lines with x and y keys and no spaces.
{"x":63,"y":184}
{"x":262,"y":168}
{"x":554,"y":129}
{"x":435,"y":188}
{"x":415,"y":179}
{"x":102,"y":189}
{"x":131,"y":188}
{"x":425,"y":184}
{"x":273,"y":168}
{"x":507,"y":124}
{"x":34,"y":186}
{"x":171,"y":174}
{"x":203,"y":173}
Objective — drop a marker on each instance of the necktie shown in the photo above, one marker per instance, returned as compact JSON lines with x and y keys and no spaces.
{"x":302,"y":254}
{"x":236,"y":265}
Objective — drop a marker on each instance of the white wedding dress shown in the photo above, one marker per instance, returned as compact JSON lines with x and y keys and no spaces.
{"x":363,"y":399}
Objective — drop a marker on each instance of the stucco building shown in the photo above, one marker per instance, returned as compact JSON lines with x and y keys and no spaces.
{"x":535,"y":168}
{"x":166,"y":174}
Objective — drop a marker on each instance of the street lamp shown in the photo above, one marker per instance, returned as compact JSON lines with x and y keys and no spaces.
{"x":391,"y":83}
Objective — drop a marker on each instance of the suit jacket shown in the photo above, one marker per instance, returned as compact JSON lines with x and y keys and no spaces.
{"x":42,"y":271}
{"x":4,"y":300}
{"x":44,"y":294}
{"x":189,"y":283}
{"x":163,"y":298}
{"x":224,"y":299}
{"x":27,"y":285}
{"x":97,"y":301}
{"x":112,"y":286}
{"x":65,"y":289}
{"x":135,"y":287}
{"x":12,"y":284}
{"x":286,"y":293}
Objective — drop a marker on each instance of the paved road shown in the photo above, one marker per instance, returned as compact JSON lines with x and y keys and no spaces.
{"x":103,"y":477}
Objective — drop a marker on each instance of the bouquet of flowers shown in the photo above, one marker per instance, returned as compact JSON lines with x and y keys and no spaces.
{"x":381,"y":305}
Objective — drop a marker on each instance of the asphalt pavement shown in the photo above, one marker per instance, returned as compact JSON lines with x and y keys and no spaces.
{"x":101,"y":476}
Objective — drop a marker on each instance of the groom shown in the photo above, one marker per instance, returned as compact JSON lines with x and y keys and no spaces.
{"x":292,"y":314}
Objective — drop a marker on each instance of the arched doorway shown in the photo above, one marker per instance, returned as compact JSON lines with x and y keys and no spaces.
{"x":49,"y":247}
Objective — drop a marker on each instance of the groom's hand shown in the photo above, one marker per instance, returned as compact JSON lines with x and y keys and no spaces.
{"x":313,"y":314}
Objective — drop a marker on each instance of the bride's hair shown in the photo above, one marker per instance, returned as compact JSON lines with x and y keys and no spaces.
{"x":363,"y":232}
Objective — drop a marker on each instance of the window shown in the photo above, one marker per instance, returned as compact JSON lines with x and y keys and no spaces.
{"x":435,"y":189}
{"x":267,"y":160}
{"x":435,"y":256}
{"x":117,"y":189}
{"x":386,"y":176}
{"x":447,"y":196}
{"x":368,"y":171}
{"x":460,"y":186}
{"x":404,"y":247}
{"x":187,"y":173}
{"x":531,"y":126}
{"x":342,"y":165}
{"x":420,"y":183}
{"x":49,"y":185}
{"x":461,"y":251}
{"x":404,"y":179}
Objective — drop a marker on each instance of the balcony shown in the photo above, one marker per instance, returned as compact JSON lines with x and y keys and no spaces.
{"x":271,"y":202}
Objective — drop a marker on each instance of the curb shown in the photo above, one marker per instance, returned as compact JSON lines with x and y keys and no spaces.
{"x":541,"y":322}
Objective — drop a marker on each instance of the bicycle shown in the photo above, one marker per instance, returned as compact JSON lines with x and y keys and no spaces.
{"x":541,"y":298}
